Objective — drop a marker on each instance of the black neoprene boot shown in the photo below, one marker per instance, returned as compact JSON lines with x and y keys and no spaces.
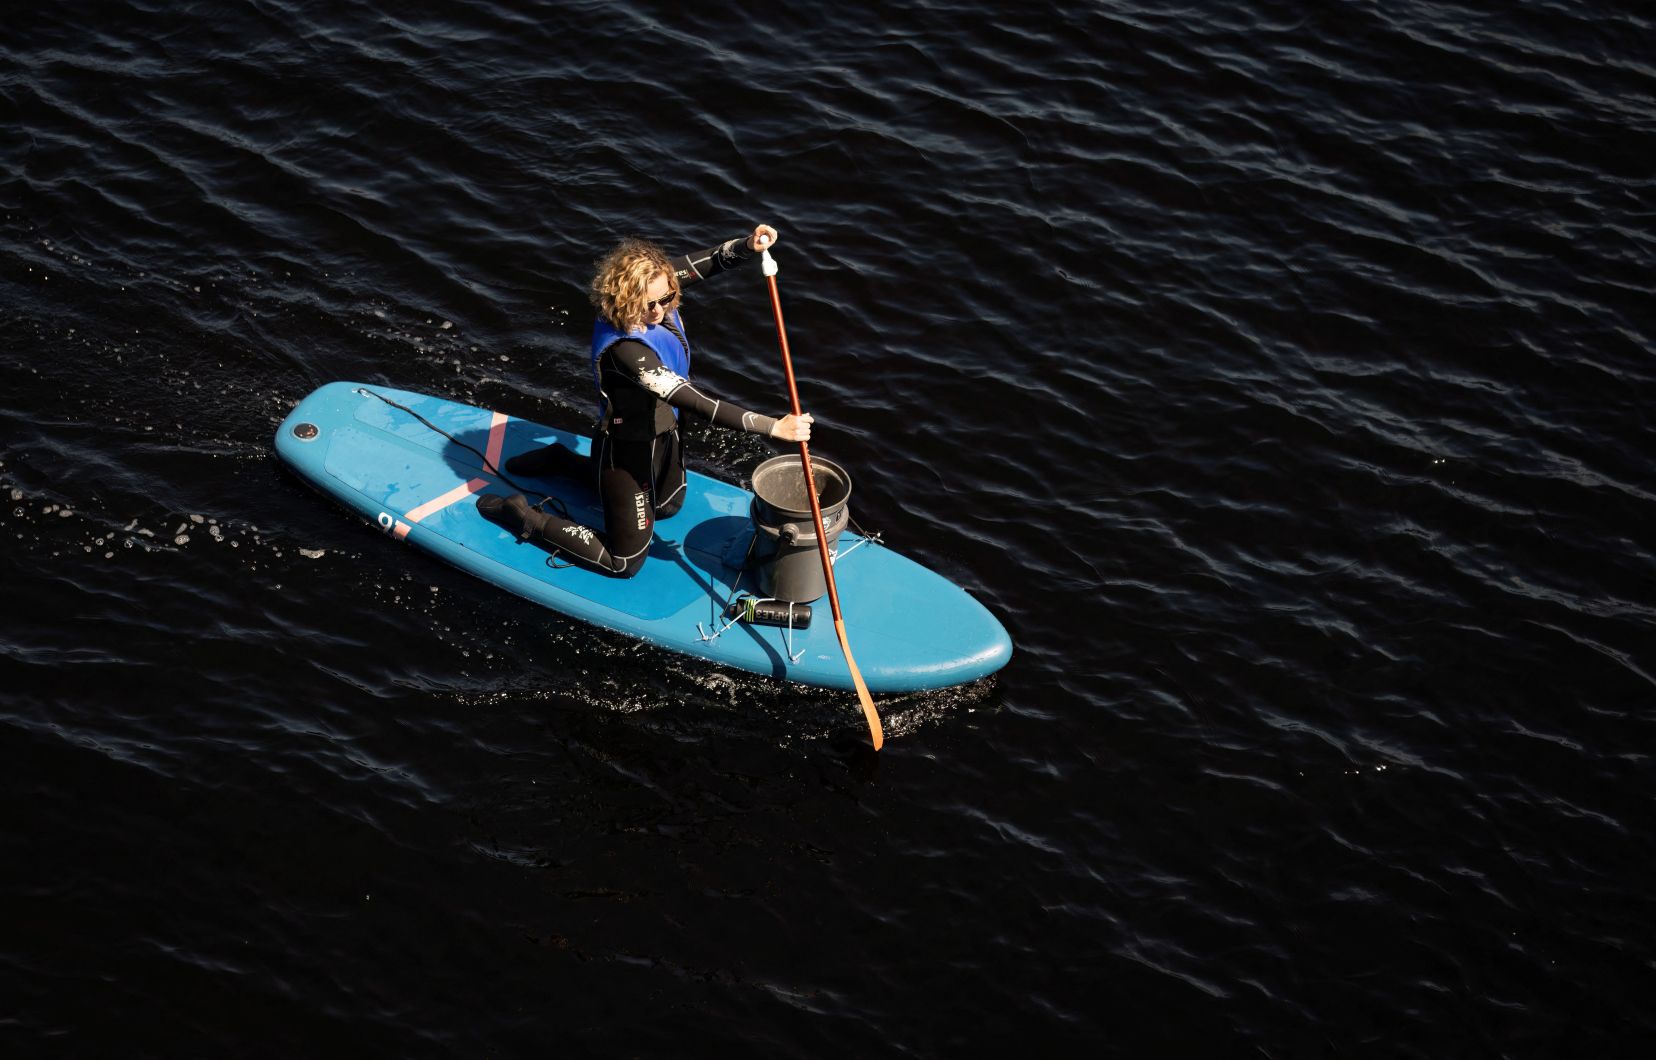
{"x":547,"y":461}
{"x":514,"y":514}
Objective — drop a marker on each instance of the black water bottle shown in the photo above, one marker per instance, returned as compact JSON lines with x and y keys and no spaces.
{"x":770,"y":612}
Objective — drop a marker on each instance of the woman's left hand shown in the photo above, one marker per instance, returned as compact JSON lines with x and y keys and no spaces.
{"x":763,"y":238}
{"x":792,"y":428}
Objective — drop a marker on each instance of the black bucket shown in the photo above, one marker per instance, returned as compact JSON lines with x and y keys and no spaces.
{"x":785,"y":545}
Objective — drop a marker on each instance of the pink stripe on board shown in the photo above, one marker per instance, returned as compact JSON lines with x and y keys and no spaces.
{"x":401,"y":530}
{"x":458,"y":493}
{"x":497,"y":440}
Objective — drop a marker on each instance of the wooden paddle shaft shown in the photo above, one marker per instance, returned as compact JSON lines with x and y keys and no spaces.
{"x":876,"y":731}
{"x":805,"y":454}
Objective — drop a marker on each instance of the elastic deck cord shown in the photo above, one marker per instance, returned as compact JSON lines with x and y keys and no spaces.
{"x":545,"y":498}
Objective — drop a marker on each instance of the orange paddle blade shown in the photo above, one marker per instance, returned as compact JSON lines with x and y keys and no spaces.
{"x":875,"y":731}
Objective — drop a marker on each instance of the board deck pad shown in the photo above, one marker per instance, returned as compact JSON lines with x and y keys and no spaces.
{"x":910,"y":628}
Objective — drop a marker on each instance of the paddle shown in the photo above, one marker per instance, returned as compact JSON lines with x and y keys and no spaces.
{"x":869,"y":712}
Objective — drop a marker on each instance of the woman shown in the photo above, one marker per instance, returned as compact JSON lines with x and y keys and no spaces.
{"x":641,"y":364}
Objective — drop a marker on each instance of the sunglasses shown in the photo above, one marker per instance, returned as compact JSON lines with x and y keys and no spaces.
{"x":663,"y":302}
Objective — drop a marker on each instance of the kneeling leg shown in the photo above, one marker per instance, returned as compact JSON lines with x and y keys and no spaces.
{"x":580,"y":543}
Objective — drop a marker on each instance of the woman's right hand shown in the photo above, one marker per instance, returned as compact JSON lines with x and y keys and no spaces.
{"x":793,"y":428}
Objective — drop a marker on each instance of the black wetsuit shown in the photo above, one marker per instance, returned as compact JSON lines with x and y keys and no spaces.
{"x":639,"y":455}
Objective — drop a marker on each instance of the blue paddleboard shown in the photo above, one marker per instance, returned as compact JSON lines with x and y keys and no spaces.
{"x":405,"y":462}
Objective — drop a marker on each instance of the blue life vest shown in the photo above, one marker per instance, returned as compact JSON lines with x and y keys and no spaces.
{"x":675,"y":354}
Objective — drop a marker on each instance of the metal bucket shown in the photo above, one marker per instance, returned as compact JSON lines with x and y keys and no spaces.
{"x":785,"y":544}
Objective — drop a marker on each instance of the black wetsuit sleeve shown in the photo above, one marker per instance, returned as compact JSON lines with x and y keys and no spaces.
{"x":690,"y":268}
{"x":639,"y":363}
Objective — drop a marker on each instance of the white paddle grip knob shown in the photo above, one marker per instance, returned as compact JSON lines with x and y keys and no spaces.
{"x":769,"y":264}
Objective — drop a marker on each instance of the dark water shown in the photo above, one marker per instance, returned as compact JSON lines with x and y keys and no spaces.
{"x":1281,"y":374}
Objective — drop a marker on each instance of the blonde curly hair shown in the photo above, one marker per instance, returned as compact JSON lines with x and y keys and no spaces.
{"x":623,"y":278}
